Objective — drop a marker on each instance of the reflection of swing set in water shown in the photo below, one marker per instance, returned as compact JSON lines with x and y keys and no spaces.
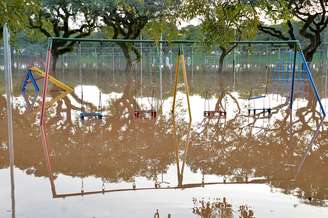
{"x":157,"y":185}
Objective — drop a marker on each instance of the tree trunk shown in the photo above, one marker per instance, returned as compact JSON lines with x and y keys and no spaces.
{"x":310,"y":51}
{"x":53,"y":63}
{"x":126,"y":52}
{"x":221,"y":60}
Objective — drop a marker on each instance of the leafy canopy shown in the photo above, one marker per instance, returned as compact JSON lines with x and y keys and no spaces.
{"x":14,"y":13}
{"x":222,"y":21}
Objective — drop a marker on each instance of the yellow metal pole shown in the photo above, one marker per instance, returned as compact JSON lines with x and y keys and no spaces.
{"x":184,"y":72}
{"x":175,"y":83}
{"x":176,"y":143}
{"x":187,"y":144}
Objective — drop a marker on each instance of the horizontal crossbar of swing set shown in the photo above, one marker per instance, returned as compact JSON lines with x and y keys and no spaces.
{"x":184,"y":186}
{"x":274,"y":42}
{"x":259,"y":109}
{"x":53,"y":39}
{"x":288,"y":79}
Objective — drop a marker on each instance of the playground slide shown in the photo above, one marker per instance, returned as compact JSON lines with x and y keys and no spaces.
{"x":53,"y":80}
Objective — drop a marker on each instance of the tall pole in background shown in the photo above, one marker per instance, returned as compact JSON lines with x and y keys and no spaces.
{"x":9,"y":94}
{"x":326,"y":79}
{"x":192,"y":63}
{"x":141,"y":57}
{"x":160,"y":69}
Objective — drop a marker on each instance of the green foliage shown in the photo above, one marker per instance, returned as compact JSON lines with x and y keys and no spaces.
{"x":274,"y":10}
{"x":14,"y":12}
{"x":126,"y":19}
{"x":222,"y":21}
{"x":56,"y":18}
{"x":154,"y":30}
{"x":311,"y":15}
{"x":192,"y":32}
{"x":62,"y":18}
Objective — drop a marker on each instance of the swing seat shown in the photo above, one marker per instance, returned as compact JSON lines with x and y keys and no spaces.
{"x":256,"y":97}
{"x":97,"y":115}
{"x":261,"y":110}
{"x":216,"y":113}
{"x":145,"y":114}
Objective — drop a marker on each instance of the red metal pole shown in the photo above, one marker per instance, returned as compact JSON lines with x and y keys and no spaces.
{"x":45,"y":86}
{"x":46,"y":155}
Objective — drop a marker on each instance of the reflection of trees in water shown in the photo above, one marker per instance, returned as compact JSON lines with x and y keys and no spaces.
{"x":120,"y":148}
{"x":239,"y":150}
{"x":220,"y":209}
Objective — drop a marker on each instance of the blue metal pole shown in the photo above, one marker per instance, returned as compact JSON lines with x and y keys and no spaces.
{"x":315,"y":90}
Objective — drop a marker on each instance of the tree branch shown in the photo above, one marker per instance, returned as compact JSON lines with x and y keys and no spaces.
{"x":273,"y":32}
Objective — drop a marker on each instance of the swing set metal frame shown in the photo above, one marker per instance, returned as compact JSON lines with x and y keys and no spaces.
{"x":180,"y":60}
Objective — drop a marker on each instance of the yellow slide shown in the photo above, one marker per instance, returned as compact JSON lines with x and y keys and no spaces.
{"x":53,"y":80}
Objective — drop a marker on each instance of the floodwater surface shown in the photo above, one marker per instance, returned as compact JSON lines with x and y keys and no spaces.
{"x":233,"y":164}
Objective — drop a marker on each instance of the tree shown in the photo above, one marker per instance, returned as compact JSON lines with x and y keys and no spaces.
{"x":126,"y":20}
{"x":222,"y":22}
{"x":311,"y":14}
{"x":13,"y":12}
{"x":63,"y":18}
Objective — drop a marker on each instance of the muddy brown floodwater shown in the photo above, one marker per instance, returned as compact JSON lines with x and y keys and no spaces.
{"x":122,"y":165}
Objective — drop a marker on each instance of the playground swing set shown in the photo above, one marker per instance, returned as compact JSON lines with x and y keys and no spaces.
{"x":297,"y":70}
{"x":180,"y":61}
